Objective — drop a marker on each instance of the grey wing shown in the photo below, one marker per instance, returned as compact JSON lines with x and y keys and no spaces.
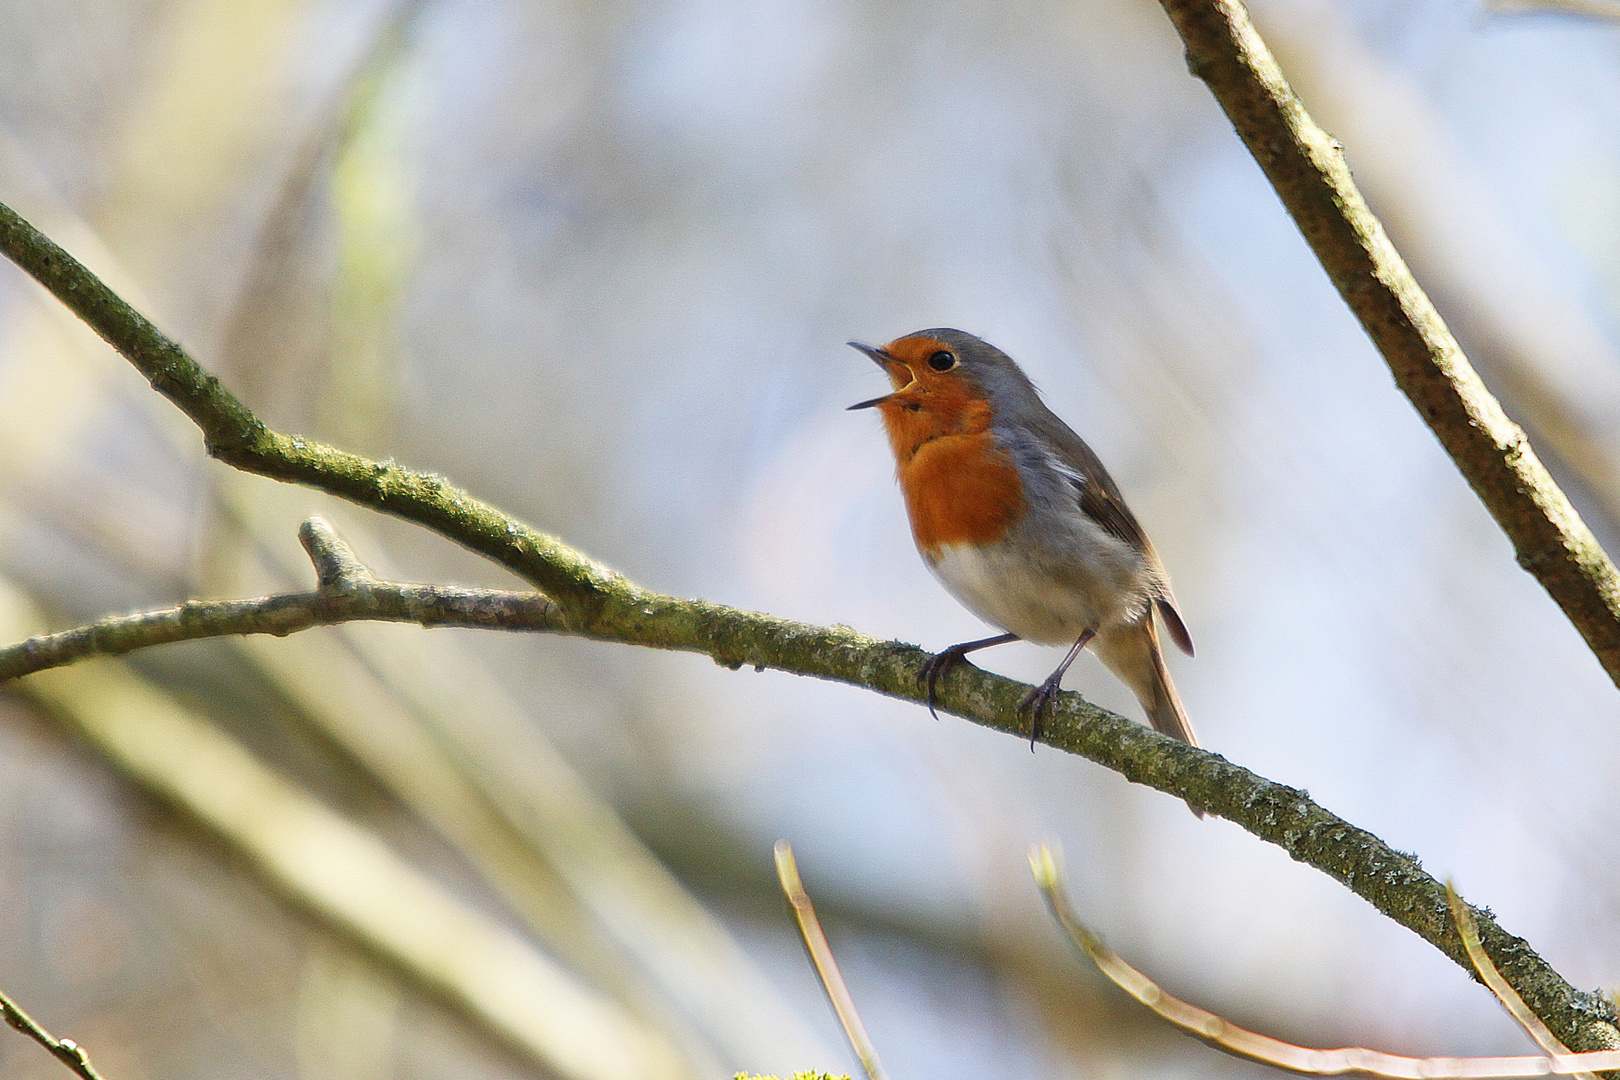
{"x":1101,"y":500}
{"x":1107,"y":510}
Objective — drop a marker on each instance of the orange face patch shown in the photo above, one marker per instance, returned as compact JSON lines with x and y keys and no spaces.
{"x":960,"y":487}
{"x":926,"y":403}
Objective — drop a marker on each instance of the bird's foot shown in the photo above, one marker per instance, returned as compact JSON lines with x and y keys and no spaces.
{"x":937,"y":665}
{"x":1035,"y":705}
{"x":934,"y":668}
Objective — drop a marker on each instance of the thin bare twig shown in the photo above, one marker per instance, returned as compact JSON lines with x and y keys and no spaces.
{"x":66,"y":1051}
{"x":1509,"y":997}
{"x":832,"y":981}
{"x":1304,"y":1060}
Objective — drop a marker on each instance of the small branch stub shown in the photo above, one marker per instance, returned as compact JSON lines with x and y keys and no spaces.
{"x":337,"y":568}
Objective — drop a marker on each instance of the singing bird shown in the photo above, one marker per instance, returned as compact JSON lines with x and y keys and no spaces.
{"x":1013,"y":512}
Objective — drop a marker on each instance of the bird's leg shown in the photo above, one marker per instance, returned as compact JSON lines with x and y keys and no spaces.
{"x":938,"y":664}
{"x":1036,"y":701}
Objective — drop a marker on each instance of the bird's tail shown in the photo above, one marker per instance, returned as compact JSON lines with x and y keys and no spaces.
{"x":1132,"y":653}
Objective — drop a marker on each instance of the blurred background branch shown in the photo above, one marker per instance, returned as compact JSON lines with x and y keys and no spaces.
{"x":345,"y":874}
{"x":1303,"y":1060}
{"x":1540,"y":348}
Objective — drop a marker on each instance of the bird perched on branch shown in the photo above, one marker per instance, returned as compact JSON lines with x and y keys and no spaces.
{"x":1021,"y":522}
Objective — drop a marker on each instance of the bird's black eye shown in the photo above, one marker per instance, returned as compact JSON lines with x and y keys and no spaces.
{"x":942,"y":360}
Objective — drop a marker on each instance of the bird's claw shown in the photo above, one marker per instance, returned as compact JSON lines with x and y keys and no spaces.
{"x":1034,"y":705}
{"x":932,"y":670}
{"x":935,"y":667}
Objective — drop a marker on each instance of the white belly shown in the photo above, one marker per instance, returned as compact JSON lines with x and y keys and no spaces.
{"x":1037,"y":602}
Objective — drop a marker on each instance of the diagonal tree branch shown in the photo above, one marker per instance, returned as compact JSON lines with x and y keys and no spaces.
{"x":234,"y":435}
{"x":1307,"y":167}
{"x":594,"y":601}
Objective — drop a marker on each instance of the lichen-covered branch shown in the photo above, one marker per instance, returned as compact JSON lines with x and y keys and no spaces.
{"x":347,"y":592}
{"x":593,"y":601}
{"x":1308,"y":169}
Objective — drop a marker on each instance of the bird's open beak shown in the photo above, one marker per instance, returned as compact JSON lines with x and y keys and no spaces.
{"x":879,"y":357}
{"x":882,"y":360}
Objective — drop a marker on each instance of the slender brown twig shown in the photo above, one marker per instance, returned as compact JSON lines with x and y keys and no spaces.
{"x":832,"y":980}
{"x":1304,"y":1060}
{"x":1492,"y":978}
{"x":66,"y":1051}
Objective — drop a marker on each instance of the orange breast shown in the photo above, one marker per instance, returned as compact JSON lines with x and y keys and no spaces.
{"x":960,"y":489}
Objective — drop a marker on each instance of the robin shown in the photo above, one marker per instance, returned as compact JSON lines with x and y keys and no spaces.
{"x":1013,"y":512}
